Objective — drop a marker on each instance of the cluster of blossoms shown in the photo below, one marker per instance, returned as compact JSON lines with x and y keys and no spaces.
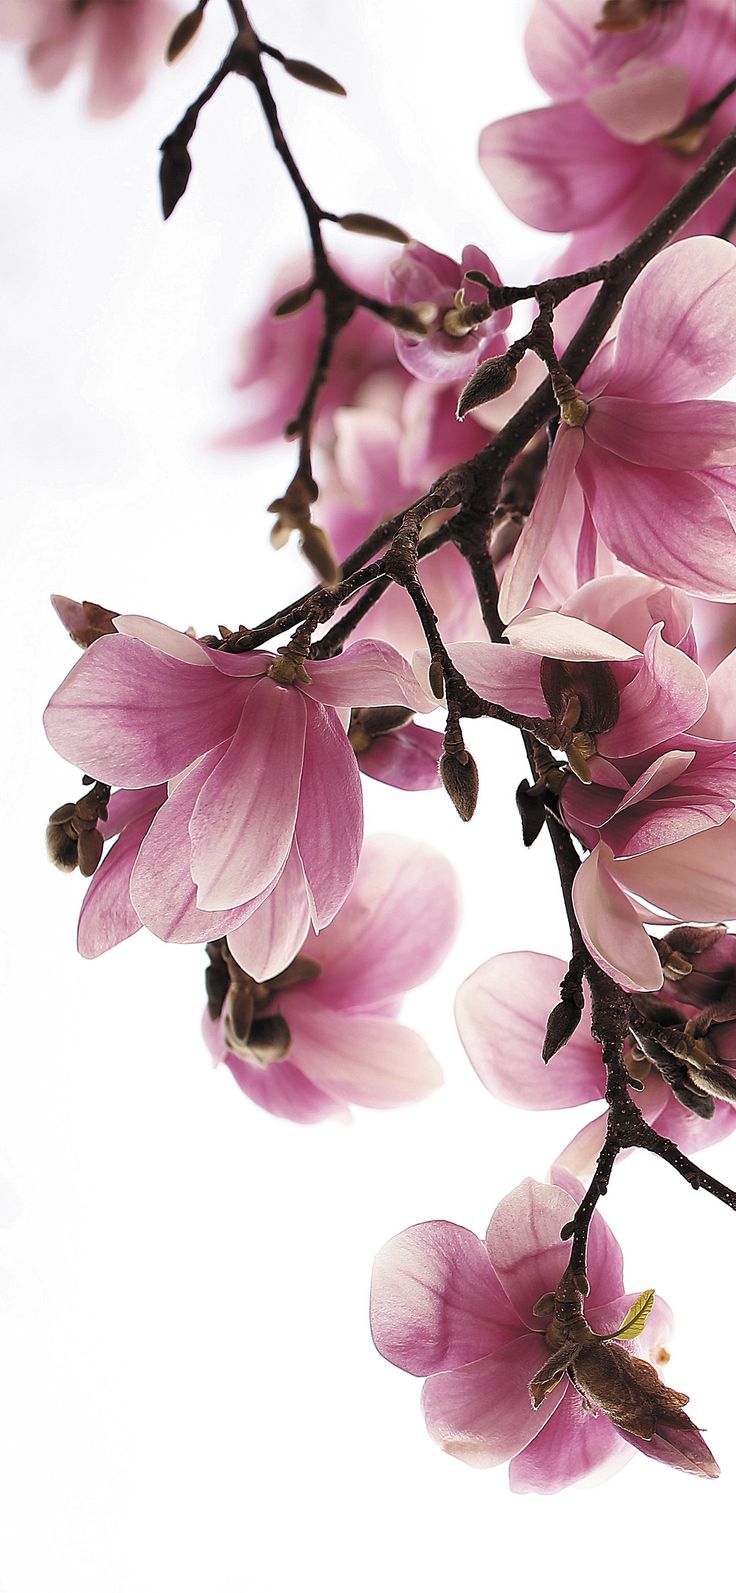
{"x":229,"y":776}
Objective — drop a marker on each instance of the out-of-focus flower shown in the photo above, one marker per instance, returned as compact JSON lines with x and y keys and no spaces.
{"x":264,"y":813}
{"x":483,"y":1323}
{"x":456,"y":340}
{"x":323,"y":1034}
{"x":610,"y":152}
{"x":649,"y":468}
{"x":118,"y":41}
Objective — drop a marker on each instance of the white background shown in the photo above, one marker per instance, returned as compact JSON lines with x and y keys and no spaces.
{"x":189,"y":1395}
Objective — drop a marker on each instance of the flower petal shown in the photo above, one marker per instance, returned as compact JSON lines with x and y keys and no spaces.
{"x":574,"y":1443}
{"x":368,"y":674}
{"x":611,"y":926}
{"x":501,"y":1012}
{"x":696,"y":435}
{"x":555,"y":499}
{"x":493,"y":670}
{"x":675,"y":331}
{"x":557,"y":167}
{"x":667,"y":694}
{"x":407,"y":758}
{"x":329,"y":825}
{"x":482,"y":1413}
{"x":356,"y":1057}
{"x":272,"y":936}
{"x":640,"y":106}
{"x":695,"y":879}
{"x":108,"y":915}
{"x":436,"y":1302}
{"x":279,"y":1088}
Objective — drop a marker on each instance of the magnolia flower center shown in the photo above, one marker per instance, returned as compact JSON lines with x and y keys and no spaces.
{"x":251,"y":1031}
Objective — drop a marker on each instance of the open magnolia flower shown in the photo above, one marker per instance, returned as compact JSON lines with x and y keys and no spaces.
{"x":648,"y":468}
{"x":118,"y":42}
{"x":323,"y":1034}
{"x":686,"y":1089}
{"x":264,"y":814}
{"x":456,"y":340}
{"x":514,"y":1371}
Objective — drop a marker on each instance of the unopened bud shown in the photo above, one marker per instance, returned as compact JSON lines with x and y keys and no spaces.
{"x":184,"y":32}
{"x":292,"y":303}
{"x":61,"y":847}
{"x":317,"y":548}
{"x":174,"y":174}
{"x":490,"y":380}
{"x":373,"y":226}
{"x":89,"y":851}
{"x":460,"y":780}
{"x":561,"y":1025}
{"x":313,"y":76}
{"x":437,"y":679}
{"x":530,"y":804}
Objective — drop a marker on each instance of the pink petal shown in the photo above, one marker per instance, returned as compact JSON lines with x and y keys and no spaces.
{"x":574,"y":1443}
{"x":684,"y":1449}
{"x":693,"y":435}
{"x":363,"y":1059}
{"x":557,"y":43}
{"x":501,"y":1012}
{"x":628,"y":605}
{"x":543,"y":522}
{"x":581,"y":1155}
{"x":407,"y":758}
{"x":272,"y":936}
{"x":612,"y":928}
{"x":134,"y":716}
{"x":553,"y":635}
{"x":482,"y":1413}
{"x":395,"y":928}
{"x":243,"y":822}
{"x":695,"y":880}
{"x":108,"y":915}
{"x":666,"y":523}
{"x":640,"y":106}
{"x":528,"y":1255}
{"x":495,"y":672}
{"x":125,"y":807}
{"x":674,"y":334}
{"x":557,"y":168}
{"x":175,"y":644}
{"x":657,"y":1332}
{"x":329,"y":825}
{"x":667,"y":694}
{"x":436,"y":1302}
{"x":368,"y":674}
{"x":279,"y":1088}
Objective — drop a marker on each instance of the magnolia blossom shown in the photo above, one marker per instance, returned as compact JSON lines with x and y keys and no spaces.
{"x":650,"y":469}
{"x":462,"y":1313}
{"x":454,"y":344}
{"x":277,"y":355}
{"x":337,"y":1041}
{"x":501,"y":1012}
{"x":612,"y":149}
{"x":264,"y":816}
{"x":119,"y":41}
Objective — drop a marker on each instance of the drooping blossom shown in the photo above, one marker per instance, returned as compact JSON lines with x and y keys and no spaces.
{"x":118,"y":42}
{"x":454,"y":345}
{"x":611,"y":150}
{"x":502,"y":1009}
{"x":277,"y":356}
{"x":264,"y":813}
{"x":384,"y":457}
{"x":323,"y":1034}
{"x":462,"y":1313}
{"x":655,"y":801}
{"x":650,"y":469}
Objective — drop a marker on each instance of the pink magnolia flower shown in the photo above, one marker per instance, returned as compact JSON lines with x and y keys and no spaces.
{"x":422,"y":276}
{"x":264,"y":813}
{"x":462,"y":1313}
{"x":658,"y":812}
{"x":338,"y":1041}
{"x":650,"y":471}
{"x":119,"y":41}
{"x":608,"y":154}
{"x":501,"y":1012}
{"x":277,"y":357}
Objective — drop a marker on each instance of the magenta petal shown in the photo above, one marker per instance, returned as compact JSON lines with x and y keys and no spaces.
{"x":279,"y":1088}
{"x":357,"y":1057}
{"x":557,"y":168}
{"x":501,"y":1012}
{"x":666,"y":523}
{"x":436,"y":1302}
{"x":503,"y":676}
{"x":675,"y":338}
{"x":544,"y":521}
{"x":243,"y":822}
{"x":395,"y":927}
{"x":581,"y":1155}
{"x":574,"y":1443}
{"x":134,"y":716}
{"x":695,"y":879}
{"x":686,"y":436}
{"x":683,"y":1448}
{"x":667,"y":695}
{"x":271,"y":937}
{"x":368,"y":674}
{"x":524,"y":1243}
{"x":175,"y":644}
{"x":482,"y":1413}
{"x":329,"y":825}
{"x":407,"y":758}
{"x":639,"y":107}
{"x":108,"y":915}
{"x":612,"y":928}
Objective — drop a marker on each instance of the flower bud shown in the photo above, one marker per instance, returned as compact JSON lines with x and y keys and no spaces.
{"x":313,"y":76}
{"x":437,"y":679}
{"x":460,"y":780}
{"x":184,"y":32}
{"x":292,"y":303}
{"x":373,"y":226}
{"x":317,"y":548}
{"x":174,"y":174}
{"x":532,"y":812}
{"x":561,"y":1025}
{"x":490,"y":380}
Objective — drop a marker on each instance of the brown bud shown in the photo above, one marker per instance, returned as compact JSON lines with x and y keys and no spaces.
{"x":460,"y":780}
{"x":373,"y":226}
{"x":437,"y":678}
{"x":313,"y":76}
{"x":692,"y":939}
{"x":89,"y":851}
{"x":174,"y":174}
{"x":490,"y":380}
{"x":184,"y":32}
{"x":561,"y":1025}
{"x":530,"y":804}
{"x":580,"y":696}
{"x":61,"y":847}
{"x":317,"y":548}
{"x":628,"y":1390}
{"x":292,"y":303}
